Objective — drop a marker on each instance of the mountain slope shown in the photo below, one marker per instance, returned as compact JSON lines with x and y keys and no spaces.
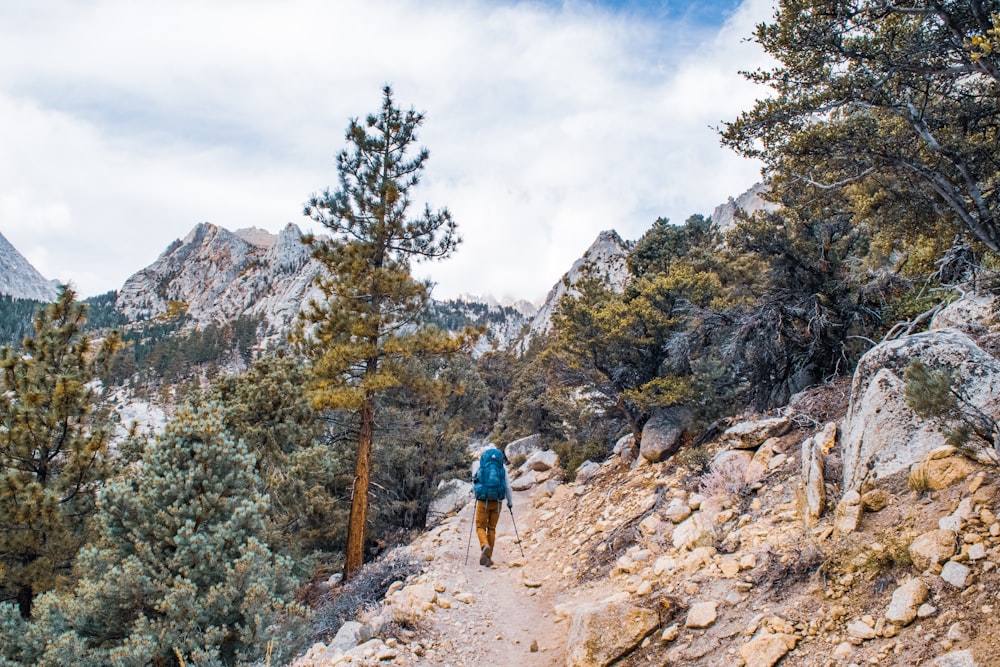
{"x":19,"y":279}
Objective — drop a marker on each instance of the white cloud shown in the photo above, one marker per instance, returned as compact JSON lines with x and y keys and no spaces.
{"x":125,"y":124}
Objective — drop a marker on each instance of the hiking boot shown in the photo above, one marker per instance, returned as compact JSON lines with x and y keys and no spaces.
{"x":484,"y":557}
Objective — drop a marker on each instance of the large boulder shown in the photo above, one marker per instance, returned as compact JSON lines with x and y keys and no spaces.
{"x":661,"y":436}
{"x":881,"y":435}
{"x":451,"y":496}
{"x":750,"y":435}
{"x":524,"y":447}
{"x":409,"y":604}
{"x":542,"y":461}
{"x":604,"y":631}
{"x":972,"y":315}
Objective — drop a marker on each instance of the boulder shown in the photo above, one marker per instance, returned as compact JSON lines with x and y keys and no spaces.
{"x":881,"y":435}
{"x":661,"y":436}
{"x":906,"y":600}
{"x":586,"y":471}
{"x":826,"y":439}
{"x":351,"y":634}
{"x":524,"y":447}
{"x":602,"y":632}
{"x":451,"y":496}
{"x":956,"y":574}
{"x":524,"y":482}
{"x":940,"y":468}
{"x":542,"y":461}
{"x":761,"y":461}
{"x":750,"y":434}
{"x":962,"y":658}
{"x":625,"y":448}
{"x":972,"y":315}
{"x":677,"y":510}
{"x":767,"y":649}
{"x":932,"y":548}
{"x":695,"y":531}
{"x":848,"y":514}
{"x":409,"y":604}
{"x":813,"y":486}
{"x":875,"y":500}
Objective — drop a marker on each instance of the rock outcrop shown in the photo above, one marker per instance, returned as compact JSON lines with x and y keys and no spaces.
{"x":214,"y":275}
{"x":881,"y":434}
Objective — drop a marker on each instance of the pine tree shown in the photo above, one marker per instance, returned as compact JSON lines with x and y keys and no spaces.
{"x":178,"y":571}
{"x":53,"y":444}
{"x":369,"y":321}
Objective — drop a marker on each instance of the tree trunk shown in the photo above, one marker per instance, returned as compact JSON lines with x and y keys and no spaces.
{"x":25,"y":596}
{"x":359,"y":501}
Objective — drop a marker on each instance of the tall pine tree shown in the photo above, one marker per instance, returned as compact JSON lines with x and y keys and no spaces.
{"x":52,"y":449}
{"x":369,"y":322}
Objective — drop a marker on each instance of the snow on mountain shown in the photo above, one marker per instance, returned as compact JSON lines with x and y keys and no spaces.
{"x":19,"y":279}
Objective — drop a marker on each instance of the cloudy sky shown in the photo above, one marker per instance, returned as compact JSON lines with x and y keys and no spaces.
{"x":123,"y":124}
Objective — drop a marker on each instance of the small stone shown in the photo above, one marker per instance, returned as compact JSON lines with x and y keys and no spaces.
{"x":875,"y":500}
{"x":926,"y":610}
{"x":671,"y":633}
{"x":860,"y":630}
{"x":905,"y":601}
{"x":534,"y":646}
{"x":955,"y":659}
{"x":955,"y":574}
{"x":843,"y":651}
{"x":701,"y":615}
{"x":977,"y":551}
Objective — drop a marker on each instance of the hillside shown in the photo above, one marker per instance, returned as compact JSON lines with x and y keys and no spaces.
{"x":709,"y":568}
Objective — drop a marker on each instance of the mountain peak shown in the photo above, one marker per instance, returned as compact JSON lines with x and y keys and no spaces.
{"x":19,"y":279}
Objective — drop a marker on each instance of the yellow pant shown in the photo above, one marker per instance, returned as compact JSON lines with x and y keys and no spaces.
{"x":487,"y":515}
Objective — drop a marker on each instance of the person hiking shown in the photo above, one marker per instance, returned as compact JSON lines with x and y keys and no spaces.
{"x":489,"y":479}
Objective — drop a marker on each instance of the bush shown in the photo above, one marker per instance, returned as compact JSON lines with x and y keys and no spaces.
{"x":364,"y":590}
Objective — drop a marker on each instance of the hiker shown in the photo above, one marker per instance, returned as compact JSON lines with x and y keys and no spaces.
{"x":489,"y":480}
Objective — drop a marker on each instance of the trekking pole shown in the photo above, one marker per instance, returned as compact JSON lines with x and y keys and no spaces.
{"x":511,"y":510}
{"x":472,"y":523}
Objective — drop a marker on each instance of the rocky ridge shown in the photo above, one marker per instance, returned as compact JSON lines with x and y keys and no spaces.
{"x":19,"y":279}
{"x":213,"y":274}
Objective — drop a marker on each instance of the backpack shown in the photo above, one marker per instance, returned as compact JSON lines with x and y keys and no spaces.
{"x":489,"y":482}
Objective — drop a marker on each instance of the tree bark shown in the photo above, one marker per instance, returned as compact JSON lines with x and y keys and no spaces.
{"x":359,"y":501}
{"x":25,"y":598}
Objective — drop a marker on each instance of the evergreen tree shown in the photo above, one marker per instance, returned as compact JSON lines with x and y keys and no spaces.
{"x":301,"y":470}
{"x":369,"y":321}
{"x":178,"y":571}
{"x":53,"y":445}
{"x":902,"y":96}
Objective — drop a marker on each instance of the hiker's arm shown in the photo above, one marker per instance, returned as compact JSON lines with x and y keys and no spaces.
{"x":475,"y":471}
{"x":507,"y":490}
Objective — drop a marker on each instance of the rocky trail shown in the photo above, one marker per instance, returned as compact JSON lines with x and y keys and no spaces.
{"x":499,"y":615}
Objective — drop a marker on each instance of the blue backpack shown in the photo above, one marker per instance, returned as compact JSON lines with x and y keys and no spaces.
{"x":489,"y":482}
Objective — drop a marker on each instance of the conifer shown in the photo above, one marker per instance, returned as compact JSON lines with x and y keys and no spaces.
{"x":53,"y":445}
{"x":179,"y":571}
{"x":369,"y":322}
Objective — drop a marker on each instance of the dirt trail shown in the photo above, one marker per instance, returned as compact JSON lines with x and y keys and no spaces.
{"x":506,"y":616}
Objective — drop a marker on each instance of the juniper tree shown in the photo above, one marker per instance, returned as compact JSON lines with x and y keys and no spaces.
{"x":369,"y":320}
{"x":53,"y":446}
{"x":179,"y":571}
{"x":903,"y":97}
